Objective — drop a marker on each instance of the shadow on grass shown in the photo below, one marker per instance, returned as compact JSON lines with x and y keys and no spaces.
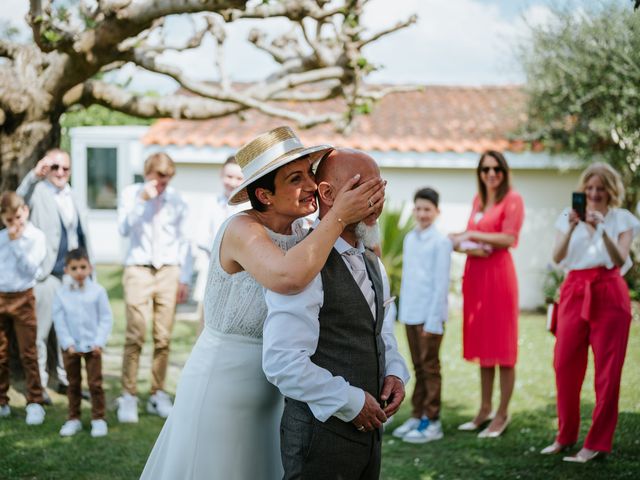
{"x":461,"y":455}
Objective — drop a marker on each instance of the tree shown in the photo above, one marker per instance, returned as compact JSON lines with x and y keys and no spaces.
{"x":76,"y":42}
{"x":583,"y":81}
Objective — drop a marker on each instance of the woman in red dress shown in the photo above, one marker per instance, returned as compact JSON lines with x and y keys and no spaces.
{"x":490,"y":288}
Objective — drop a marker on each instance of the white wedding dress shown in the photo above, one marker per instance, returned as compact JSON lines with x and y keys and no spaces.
{"x":225,"y":420}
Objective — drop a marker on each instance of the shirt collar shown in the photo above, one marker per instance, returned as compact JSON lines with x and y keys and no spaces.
{"x":426,"y":233}
{"x":73,"y":285}
{"x":341,"y":245}
{"x":66,"y":189}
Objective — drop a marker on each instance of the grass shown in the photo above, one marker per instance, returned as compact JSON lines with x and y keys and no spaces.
{"x":40,"y":453}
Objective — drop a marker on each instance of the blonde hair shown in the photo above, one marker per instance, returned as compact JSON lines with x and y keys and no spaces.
{"x":161,"y":163}
{"x":610,"y":179}
{"x":10,"y":203}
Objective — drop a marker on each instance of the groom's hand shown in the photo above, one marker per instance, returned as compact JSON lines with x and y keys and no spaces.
{"x":392,"y":394}
{"x":371,"y":417}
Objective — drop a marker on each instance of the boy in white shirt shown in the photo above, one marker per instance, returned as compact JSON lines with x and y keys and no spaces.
{"x":423,"y":310}
{"x":82,"y":319}
{"x":22,"y":250}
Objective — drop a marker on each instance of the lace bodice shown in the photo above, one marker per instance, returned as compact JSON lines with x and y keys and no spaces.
{"x":234,"y":303}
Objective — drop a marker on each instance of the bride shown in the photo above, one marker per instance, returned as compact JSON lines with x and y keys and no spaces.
{"x":225,"y":419}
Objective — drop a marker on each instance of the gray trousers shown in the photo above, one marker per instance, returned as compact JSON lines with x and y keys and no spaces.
{"x":45,"y":292}
{"x":333,"y":450}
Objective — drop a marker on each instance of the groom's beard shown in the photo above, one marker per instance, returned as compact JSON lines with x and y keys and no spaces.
{"x":369,"y":235}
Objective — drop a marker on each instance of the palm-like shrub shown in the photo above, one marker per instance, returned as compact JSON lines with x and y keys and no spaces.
{"x":392,"y":232}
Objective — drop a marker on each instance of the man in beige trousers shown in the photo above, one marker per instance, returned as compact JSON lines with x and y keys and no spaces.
{"x":157,"y":272}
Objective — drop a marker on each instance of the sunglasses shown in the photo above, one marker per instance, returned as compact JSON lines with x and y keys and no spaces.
{"x":55,"y":167}
{"x":496,"y":170}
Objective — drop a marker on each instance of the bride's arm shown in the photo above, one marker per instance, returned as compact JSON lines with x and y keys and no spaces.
{"x":247,"y":244}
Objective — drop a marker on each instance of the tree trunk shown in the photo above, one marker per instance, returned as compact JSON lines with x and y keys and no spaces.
{"x":21,"y":148}
{"x":29,"y":112}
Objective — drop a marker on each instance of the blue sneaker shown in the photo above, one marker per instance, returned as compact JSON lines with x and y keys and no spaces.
{"x":426,"y":432}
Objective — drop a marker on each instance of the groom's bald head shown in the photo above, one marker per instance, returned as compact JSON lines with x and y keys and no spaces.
{"x":334,"y":171}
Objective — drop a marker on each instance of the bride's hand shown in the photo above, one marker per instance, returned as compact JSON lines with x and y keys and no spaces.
{"x":353,"y":204}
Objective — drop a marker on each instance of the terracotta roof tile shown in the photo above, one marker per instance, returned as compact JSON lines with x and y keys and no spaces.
{"x":435,"y":119}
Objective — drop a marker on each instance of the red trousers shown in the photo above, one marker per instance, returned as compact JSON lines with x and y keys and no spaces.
{"x":594,"y":310}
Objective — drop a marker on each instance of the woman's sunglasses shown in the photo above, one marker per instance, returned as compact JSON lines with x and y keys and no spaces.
{"x":496,"y":170}
{"x":55,"y":167}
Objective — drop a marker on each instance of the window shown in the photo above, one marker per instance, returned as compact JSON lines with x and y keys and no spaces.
{"x":102,"y":178}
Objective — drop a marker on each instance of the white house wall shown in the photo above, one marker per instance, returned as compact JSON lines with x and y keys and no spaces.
{"x":546,"y":190}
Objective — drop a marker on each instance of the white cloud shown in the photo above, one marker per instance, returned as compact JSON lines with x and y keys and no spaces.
{"x":462,"y":42}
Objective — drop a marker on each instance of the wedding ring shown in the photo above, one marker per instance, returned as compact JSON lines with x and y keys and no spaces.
{"x":370,"y":204}
{"x":361,"y":428}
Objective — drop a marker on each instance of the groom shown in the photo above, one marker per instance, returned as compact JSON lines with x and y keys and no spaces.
{"x":328,"y":351}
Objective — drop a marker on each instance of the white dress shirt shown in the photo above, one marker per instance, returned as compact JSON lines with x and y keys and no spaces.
{"x":68,"y":213}
{"x":155,"y":229}
{"x":20,"y":259}
{"x":426,"y":262}
{"x":587,"y":250}
{"x":291,"y":334}
{"x":82,"y":316}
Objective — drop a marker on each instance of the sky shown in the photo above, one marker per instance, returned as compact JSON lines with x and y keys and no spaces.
{"x":455,"y":42}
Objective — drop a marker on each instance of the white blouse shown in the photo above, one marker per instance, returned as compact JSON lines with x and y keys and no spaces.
{"x":588,"y":250}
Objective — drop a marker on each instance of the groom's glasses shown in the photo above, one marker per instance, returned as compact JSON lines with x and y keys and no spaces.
{"x":496,"y":170}
{"x":55,"y":167}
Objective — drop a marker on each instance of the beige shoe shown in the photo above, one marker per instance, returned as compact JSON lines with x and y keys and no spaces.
{"x":486,"y":433}
{"x":472,"y":426}
{"x":555,"y":448}
{"x":585,"y":455}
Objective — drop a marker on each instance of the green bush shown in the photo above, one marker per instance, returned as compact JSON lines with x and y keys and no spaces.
{"x":392,"y":233}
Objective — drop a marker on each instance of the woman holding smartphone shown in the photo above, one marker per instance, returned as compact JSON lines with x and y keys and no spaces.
{"x":490,"y":288}
{"x":594,"y":309}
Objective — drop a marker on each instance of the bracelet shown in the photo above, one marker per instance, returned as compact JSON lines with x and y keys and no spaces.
{"x":342,"y":222}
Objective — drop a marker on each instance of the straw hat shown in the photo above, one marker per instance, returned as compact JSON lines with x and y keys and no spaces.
{"x":268,"y":152}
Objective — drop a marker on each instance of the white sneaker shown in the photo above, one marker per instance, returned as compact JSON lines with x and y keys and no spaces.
{"x":35,"y":414}
{"x":406,"y":427}
{"x":70,"y":428}
{"x":99,"y":428}
{"x":423,"y":435}
{"x":5,"y":411}
{"x":160,"y":404}
{"x":127,"y":408}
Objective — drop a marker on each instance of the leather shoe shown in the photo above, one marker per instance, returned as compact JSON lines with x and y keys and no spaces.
{"x":486,"y":433}
{"x":555,"y":448}
{"x":585,"y":455}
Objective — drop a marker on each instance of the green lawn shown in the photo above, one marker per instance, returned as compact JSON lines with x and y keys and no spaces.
{"x":39,"y":452}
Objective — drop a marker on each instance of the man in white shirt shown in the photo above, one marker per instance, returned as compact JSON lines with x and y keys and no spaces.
{"x":157,"y":273}
{"x":328,"y":351}
{"x":55,"y":211}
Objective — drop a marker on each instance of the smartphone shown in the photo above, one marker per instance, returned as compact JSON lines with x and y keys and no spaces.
{"x":579,"y":204}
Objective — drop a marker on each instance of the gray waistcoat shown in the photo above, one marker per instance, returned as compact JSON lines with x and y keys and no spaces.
{"x":349,"y":345}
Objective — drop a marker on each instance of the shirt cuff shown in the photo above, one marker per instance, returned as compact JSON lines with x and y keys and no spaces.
{"x":355,"y":402}
{"x":398,"y":369}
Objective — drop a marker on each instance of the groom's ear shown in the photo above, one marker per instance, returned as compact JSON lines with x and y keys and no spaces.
{"x":326,"y":193}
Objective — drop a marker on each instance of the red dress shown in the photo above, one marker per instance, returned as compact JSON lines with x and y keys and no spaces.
{"x":490,"y":289}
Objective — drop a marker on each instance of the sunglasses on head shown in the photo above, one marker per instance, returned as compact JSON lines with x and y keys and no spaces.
{"x":55,"y":168}
{"x":495,"y":169}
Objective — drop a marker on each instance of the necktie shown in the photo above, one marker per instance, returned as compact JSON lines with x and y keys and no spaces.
{"x":359,"y":271}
